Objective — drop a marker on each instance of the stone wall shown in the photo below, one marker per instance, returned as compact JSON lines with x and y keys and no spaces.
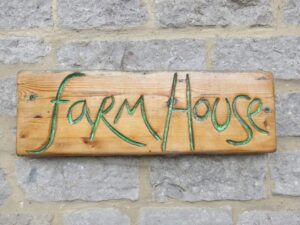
{"x":140,"y":35}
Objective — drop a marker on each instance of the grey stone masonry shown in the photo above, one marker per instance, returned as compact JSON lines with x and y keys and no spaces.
{"x":101,"y":14}
{"x":4,"y":188}
{"x":22,"y":50}
{"x":269,"y":218}
{"x":100,"y":216}
{"x":288,"y":114}
{"x":8,"y":95}
{"x":285,"y":172}
{"x":291,"y":12}
{"x":280,"y":55}
{"x":7,"y":135}
{"x":90,"y":179}
{"x":185,"y":216}
{"x":25,"y":219}
{"x":196,"y":178}
{"x":185,"y":13}
{"x":180,"y":54}
{"x":20,"y":14}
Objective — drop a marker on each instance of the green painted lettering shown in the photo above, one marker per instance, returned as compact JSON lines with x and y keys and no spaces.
{"x":242,"y":122}
{"x":207,"y":112}
{"x":132,"y":110}
{"x":255,"y":107}
{"x":217,"y":126}
{"x":84,"y":112}
{"x":253,"y":113}
{"x":56,"y":102}
{"x":171,"y":109}
{"x":100,"y":116}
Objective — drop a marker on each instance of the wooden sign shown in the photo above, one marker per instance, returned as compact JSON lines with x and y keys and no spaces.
{"x":128,"y":113}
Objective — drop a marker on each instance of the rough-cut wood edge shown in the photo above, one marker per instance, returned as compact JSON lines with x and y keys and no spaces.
{"x":225,"y":152}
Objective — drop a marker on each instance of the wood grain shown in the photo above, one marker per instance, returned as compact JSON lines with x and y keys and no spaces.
{"x":35,"y":113}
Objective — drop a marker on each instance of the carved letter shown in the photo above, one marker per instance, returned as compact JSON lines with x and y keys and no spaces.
{"x":56,"y":102}
{"x":171,"y":109}
{"x":132,"y":110}
{"x":242,"y":122}
{"x":217,"y":126}
{"x":100,"y":116}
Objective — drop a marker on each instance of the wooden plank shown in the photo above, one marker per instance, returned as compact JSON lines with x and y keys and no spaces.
{"x":163,"y":113}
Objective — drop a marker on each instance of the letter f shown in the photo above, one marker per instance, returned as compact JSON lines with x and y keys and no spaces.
{"x":56,"y":102}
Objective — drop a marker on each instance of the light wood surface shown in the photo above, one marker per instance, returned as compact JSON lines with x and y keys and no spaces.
{"x":35,"y":113}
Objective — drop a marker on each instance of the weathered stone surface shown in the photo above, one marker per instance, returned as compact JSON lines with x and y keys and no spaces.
{"x":22,"y":50}
{"x":185,"y":13}
{"x":285,"y":171}
{"x":269,"y":218}
{"x":182,"y":54}
{"x":279,"y":55}
{"x":4,"y":188}
{"x":19,"y":14}
{"x":25,"y":219}
{"x":288,"y":114}
{"x":185,"y":216}
{"x":291,"y":12}
{"x":91,"y":55}
{"x":104,"y":216}
{"x":106,"y":14}
{"x":90,"y":179}
{"x":7,"y":134}
{"x":196,"y":178}
{"x":8,"y":95}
